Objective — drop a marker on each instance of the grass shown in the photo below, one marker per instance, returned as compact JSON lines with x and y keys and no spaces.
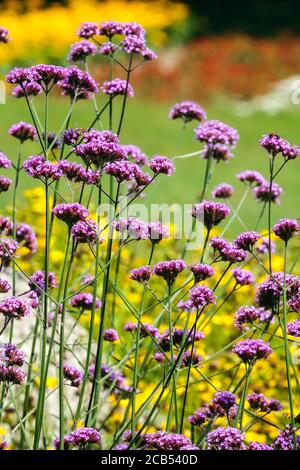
{"x":147,"y":125}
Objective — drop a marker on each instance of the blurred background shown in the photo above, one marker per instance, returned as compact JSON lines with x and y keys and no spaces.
{"x":240,"y":60}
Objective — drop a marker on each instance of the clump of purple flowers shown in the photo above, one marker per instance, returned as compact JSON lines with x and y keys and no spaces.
{"x":187,"y":111}
{"x":251,"y":350}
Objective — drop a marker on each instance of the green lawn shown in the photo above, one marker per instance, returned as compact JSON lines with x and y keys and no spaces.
{"x":147,"y":125}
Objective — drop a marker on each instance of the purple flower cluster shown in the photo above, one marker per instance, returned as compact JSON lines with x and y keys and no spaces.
{"x":145,"y":329}
{"x":162,"y":440}
{"x":274,"y":145}
{"x":263,"y":193}
{"x":37,"y":167}
{"x":243,"y":277}
{"x":286,"y":229}
{"x":249,"y":315}
{"x":126,"y":171}
{"x":81,"y":50}
{"x":187,"y":111}
{"x":227,"y":251}
{"x":4,"y":35}
{"x":216,"y":132}
{"x":225,"y":439}
{"x":84,"y":301}
{"x":117,"y":87}
{"x":100,"y":147}
{"x":4,"y":161}
{"x":269,"y":292}
{"x":210,"y":213}
{"x":251,"y":177}
{"x":7,"y":250}
{"x":85,"y":231}
{"x":81,"y":438}
{"x":259,"y":402}
{"x":219,"y":152}
{"x":10,"y":355}
{"x":169,"y":270}
{"x":78,"y":84}
{"x":14,"y":307}
{"x":5,"y":184}
{"x":77,"y":173}
{"x":111,"y":335}
{"x":293,"y":328}
{"x":37,"y":282}
{"x":201,"y":271}
{"x":23,"y":131}
{"x":136,"y":154}
{"x":223,"y":191}
{"x":200,"y":296}
{"x":5,"y":286}
{"x":178,"y":336}
{"x":162,"y":165}
{"x":251,"y":350}
{"x":70,"y":213}
{"x":73,"y":374}
{"x":247,"y":240}
{"x":12,"y":374}
{"x":141,"y":274}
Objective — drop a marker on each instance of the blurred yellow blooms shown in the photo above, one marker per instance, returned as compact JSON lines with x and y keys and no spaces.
{"x":49,"y":32}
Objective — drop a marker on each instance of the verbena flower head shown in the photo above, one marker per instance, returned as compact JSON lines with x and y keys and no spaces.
{"x":199,"y":417}
{"x":223,"y":191}
{"x":5,"y":184}
{"x":136,"y":154}
{"x":178,"y":334}
{"x":224,"y":399}
{"x":162,"y":165}
{"x":219,"y":152}
{"x":286,"y":229}
{"x":274,"y":145}
{"x":72,"y":136}
{"x":269,"y":292}
{"x":225,"y":439}
{"x":247,"y":240}
{"x":14,"y":307}
{"x":5,"y":225}
{"x":157,"y":232}
{"x":216,"y":132}
{"x":84,"y":301}
{"x":145,"y":330}
{"x":251,"y":350}
{"x":82,"y":437}
{"x":251,"y":177}
{"x":10,"y":355}
{"x":210,"y":213}
{"x":293,"y":328}
{"x":248,"y":315}
{"x":131,"y":28}
{"x":70,"y":213}
{"x":76,"y":172}
{"x":31,"y":89}
{"x":5,"y":286}
{"x":263,"y":193}
{"x":187,"y":111}
{"x":100,"y":148}
{"x":22,"y":76}
{"x":48,"y":74}
{"x":169,"y":270}
{"x":243,"y":277}
{"x":37,"y":281}
{"x":111,"y":28}
{"x":3,"y":445}
{"x":12,"y":374}
{"x":117,"y":87}
{"x":259,"y":402}
{"x":81,"y":50}
{"x":122,"y":170}
{"x":285,"y":439}
{"x":4,"y":161}
{"x":141,"y":274}
{"x":73,"y":374}
{"x":111,"y":335}
{"x":108,"y":48}
{"x":4,"y":38}
{"x":258,"y":446}
{"x":162,"y":440}
{"x":201,"y":271}
{"x":201,"y":295}
{"x":190,"y":358}
{"x":77,"y":83}
{"x":87,"y":30}
{"x":85,"y":231}
{"x":133,"y":45}
{"x":264,"y":247}
{"x":7,"y":250}
{"x":26,"y":236}
{"x":37,"y":167}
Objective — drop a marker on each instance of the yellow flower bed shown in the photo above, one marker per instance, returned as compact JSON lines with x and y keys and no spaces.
{"x":50,"y":31}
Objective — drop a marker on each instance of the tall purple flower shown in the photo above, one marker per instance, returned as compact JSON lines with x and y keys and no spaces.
{"x":117,"y":87}
{"x":263,"y":193}
{"x":293,"y":328}
{"x":223,"y":191}
{"x":73,"y":374}
{"x":11,"y":355}
{"x":201,"y":295}
{"x":216,"y":132}
{"x":286,"y":229}
{"x":81,"y":50}
{"x":249,"y":315}
{"x":247,"y":240}
{"x":70,"y":213}
{"x":84,"y":301}
{"x":201,"y":271}
{"x":4,"y":38}
{"x":37,"y":281}
{"x":14,"y":307}
{"x":169,"y":270}
{"x":141,"y":274}
{"x":251,"y":350}
{"x":85,"y":231}
{"x":37,"y":167}
{"x":225,"y":439}
{"x":87,"y":30}
{"x":274,"y":145}
{"x":243,"y":277}
{"x":4,"y":161}
{"x":187,"y":111}
{"x":5,"y":184}
{"x":7,"y":250}
{"x":251,"y":177}
{"x":210,"y":213}
{"x":162,"y":165}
